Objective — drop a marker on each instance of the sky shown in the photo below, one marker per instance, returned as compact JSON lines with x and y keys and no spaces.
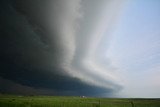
{"x":135,"y":48}
{"x":106,"y":48}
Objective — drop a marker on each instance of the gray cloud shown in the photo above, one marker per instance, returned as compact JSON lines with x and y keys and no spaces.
{"x":45,"y":46}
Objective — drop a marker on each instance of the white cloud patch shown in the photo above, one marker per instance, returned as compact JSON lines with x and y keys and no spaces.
{"x":81,"y":46}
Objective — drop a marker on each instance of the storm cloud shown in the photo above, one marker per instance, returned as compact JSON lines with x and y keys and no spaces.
{"x":56,"y":47}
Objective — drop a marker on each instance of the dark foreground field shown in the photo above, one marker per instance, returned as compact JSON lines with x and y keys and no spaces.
{"x":54,"y":101}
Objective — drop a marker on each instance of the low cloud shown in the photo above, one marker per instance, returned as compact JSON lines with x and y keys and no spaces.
{"x":53,"y":45}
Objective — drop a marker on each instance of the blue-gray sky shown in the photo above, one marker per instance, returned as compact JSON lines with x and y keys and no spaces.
{"x":135,"y":48}
{"x":106,"y":48}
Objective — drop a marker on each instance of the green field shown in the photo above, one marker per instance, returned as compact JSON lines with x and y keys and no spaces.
{"x":56,"y":101}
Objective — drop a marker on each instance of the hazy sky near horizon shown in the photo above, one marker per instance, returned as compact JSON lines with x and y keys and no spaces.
{"x":107,"y":48}
{"x":135,"y":48}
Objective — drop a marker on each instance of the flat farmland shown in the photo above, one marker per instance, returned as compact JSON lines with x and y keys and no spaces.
{"x":59,"y":101}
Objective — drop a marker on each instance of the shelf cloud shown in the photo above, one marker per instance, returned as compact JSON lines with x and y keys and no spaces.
{"x":57,"y":47}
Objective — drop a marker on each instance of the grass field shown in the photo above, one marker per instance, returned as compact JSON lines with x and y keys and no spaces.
{"x":56,"y":101}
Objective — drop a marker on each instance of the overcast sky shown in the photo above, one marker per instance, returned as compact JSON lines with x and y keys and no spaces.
{"x":107,"y":48}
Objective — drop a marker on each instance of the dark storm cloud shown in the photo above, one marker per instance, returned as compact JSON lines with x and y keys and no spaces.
{"x":32,"y":56}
